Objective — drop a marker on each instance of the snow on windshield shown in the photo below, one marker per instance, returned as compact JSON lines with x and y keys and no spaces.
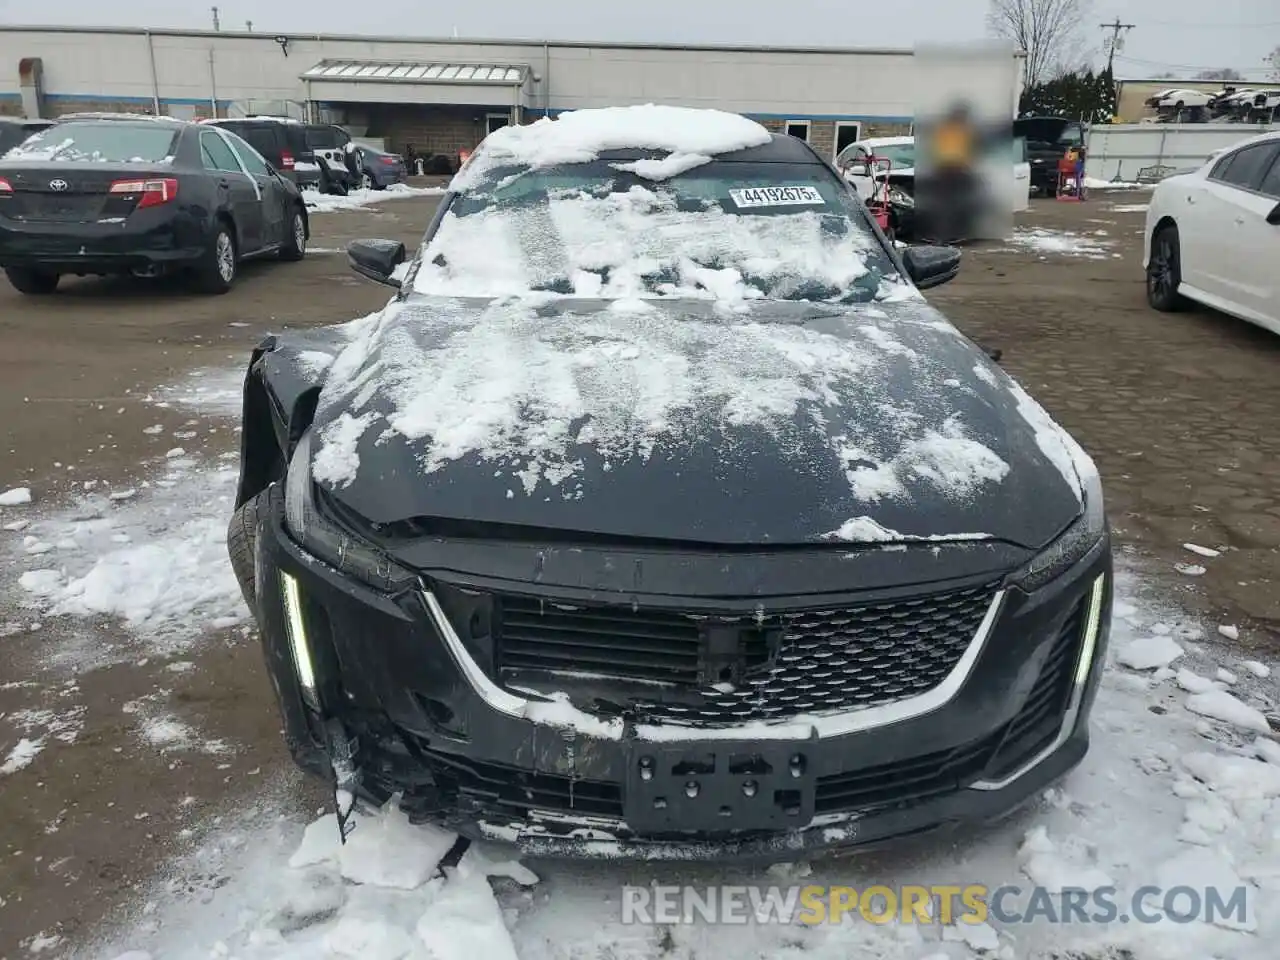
{"x":105,"y":142}
{"x":691,"y":136}
{"x":533,"y":388}
{"x":645,"y":242}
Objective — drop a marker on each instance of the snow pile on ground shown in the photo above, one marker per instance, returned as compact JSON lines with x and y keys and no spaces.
{"x":690,"y":137}
{"x":1093,"y":183}
{"x":1049,"y":242}
{"x":1129,"y":207}
{"x":17,"y":497}
{"x":155,"y":559}
{"x":356,"y":199}
{"x":1165,"y":798}
{"x":641,"y":243}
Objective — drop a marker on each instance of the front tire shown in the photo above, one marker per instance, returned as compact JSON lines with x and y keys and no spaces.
{"x":295,"y":242}
{"x":1164,"y":271}
{"x":31,"y":281}
{"x":216,"y":272}
{"x":242,"y":546}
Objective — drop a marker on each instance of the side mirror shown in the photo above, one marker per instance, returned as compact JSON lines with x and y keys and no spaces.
{"x":931,"y":266}
{"x":858,"y":170}
{"x":376,"y":259}
{"x":1273,"y":217}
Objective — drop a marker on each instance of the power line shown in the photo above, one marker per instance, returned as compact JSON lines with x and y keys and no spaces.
{"x":1210,"y":26}
{"x":1115,"y":43}
{"x":1185,"y":66}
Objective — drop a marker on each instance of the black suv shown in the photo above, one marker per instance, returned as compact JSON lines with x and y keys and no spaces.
{"x":310,"y":154}
{"x":1048,"y":139}
{"x":13,"y":131}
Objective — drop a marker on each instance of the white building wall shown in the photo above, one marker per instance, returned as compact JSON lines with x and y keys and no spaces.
{"x":83,"y":65}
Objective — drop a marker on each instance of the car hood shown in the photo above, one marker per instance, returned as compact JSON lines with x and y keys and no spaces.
{"x":765,"y":423}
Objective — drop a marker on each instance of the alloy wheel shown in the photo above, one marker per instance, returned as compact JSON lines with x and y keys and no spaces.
{"x":226,"y":256}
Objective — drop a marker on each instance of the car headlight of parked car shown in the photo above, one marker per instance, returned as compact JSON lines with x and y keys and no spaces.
{"x":900,"y":197}
{"x":1073,"y":544}
{"x":322,"y":537}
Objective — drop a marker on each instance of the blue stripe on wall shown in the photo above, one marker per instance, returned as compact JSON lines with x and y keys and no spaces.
{"x":103,"y":98}
{"x":529,"y":111}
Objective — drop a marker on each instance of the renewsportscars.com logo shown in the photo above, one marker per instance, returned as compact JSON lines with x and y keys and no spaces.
{"x":935,"y":904}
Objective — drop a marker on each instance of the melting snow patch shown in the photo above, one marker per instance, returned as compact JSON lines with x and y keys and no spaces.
{"x":1045,"y":241}
{"x":1220,"y":705}
{"x":157,"y":562}
{"x":1129,"y":207}
{"x":16,"y":497}
{"x":357,"y":199}
{"x":1202,"y":551}
{"x":1148,"y":653}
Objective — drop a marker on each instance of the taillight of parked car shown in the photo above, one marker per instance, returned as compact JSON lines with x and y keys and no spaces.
{"x":390,"y":161}
{"x":6,"y":187}
{"x":150,"y":193}
{"x":286,"y":160}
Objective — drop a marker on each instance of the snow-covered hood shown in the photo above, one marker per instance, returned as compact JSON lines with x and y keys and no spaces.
{"x":777,"y":422}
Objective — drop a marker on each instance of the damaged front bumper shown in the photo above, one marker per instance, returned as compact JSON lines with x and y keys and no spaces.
{"x":430,"y":718}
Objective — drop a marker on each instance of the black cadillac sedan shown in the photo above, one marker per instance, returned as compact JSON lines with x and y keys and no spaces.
{"x":658,"y":515}
{"x":128,"y":194}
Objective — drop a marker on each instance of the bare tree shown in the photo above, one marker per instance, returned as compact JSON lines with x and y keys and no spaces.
{"x":1273,"y":61}
{"x":1225,"y":74}
{"x":1049,"y":31}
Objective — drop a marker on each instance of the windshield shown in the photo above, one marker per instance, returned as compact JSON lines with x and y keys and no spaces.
{"x":725,"y":230}
{"x":902,"y":156}
{"x":104,"y":141}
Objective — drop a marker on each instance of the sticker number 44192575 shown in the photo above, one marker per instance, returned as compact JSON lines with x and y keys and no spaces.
{"x":780,"y":196}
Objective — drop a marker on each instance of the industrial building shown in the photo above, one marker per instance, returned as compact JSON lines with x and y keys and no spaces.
{"x":444,"y":95}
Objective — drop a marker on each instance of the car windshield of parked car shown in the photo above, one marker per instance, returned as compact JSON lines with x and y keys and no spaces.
{"x":724,"y":230}
{"x":103,"y":141}
{"x":901,"y":156}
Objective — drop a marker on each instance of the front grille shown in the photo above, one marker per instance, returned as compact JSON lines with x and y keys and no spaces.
{"x":770,"y":667}
{"x":605,"y":640}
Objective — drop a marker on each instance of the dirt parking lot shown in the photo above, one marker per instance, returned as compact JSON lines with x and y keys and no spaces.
{"x":1179,"y":412}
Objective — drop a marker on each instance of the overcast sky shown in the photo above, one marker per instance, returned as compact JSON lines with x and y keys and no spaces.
{"x":1179,"y":36}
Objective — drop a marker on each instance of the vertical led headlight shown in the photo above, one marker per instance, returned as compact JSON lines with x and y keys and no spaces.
{"x":296,"y":629}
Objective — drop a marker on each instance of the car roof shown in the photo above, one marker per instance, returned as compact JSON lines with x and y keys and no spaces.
{"x":780,"y":149}
{"x":256,"y":118}
{"x":26,"y":121}
{"x":123,"y":118}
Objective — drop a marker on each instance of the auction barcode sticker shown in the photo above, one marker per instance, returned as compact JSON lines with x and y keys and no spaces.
{"x":798,"y":196}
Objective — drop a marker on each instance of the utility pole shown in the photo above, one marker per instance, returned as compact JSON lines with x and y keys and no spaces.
{"x":216,"y":24}
{"x":1116,"y":41}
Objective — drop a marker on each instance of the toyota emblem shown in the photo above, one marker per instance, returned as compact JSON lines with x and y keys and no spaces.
{"x":57,"y":185}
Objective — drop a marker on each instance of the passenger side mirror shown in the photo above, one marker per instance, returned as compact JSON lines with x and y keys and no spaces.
{"x":929,"y":266}
{"x":858,"y":170}
{"x":1273,"y":217}
{"x":376,"y":259}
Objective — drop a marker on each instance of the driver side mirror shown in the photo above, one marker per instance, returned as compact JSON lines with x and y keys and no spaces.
{"x":929,"y":266}
{"x":858,"y":170}
{"x":376,"y":259}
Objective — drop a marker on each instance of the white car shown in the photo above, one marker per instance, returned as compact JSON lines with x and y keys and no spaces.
{"x":1213,"y":235}
{"x":901,"y":151}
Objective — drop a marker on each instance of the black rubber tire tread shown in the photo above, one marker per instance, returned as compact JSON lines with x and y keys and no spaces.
{"x":242,"y":544}
{"x":33,"y":282}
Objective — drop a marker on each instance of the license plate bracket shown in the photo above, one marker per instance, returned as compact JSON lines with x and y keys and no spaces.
{"x":718,"y":786}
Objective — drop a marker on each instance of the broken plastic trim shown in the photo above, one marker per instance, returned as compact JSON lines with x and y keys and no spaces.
{"x":798,"y":728}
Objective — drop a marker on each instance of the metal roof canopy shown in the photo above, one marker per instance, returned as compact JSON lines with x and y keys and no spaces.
{"x":405,"y":81}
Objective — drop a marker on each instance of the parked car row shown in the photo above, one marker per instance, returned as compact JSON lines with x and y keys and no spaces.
{"x":96,"y":194}
{"x":1229,"y":105}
